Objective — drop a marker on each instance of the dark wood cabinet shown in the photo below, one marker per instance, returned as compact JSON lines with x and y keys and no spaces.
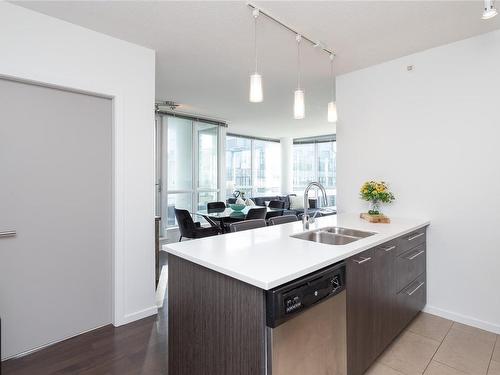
{"x":385,"y":291}
{"x":410,"y":265}
{"x":411,"y":300}
{"x":384,"y":295}
{"x":360,"y":310}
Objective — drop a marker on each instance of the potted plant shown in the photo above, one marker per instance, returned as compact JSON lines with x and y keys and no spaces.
{"x":376,"y":193}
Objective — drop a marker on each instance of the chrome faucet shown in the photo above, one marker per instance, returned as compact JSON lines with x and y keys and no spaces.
{"x":306,"y":219}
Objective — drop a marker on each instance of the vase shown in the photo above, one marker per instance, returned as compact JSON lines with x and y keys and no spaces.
{"x":374,"y":208}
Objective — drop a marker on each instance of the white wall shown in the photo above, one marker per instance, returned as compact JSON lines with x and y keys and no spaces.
{"x":43,"y":49}
{"x":434,"y":134}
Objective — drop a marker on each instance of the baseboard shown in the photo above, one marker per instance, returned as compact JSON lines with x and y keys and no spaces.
{"x":464,"y":319}
{"x":30,"y":351}
{"x":138,"y":315}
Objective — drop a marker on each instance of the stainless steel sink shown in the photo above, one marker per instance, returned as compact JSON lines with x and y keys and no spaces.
{"x":347,"y":232}
{"x":333,"y":235}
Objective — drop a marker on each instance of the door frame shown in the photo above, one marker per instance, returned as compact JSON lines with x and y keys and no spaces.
{"x":119,"y":201}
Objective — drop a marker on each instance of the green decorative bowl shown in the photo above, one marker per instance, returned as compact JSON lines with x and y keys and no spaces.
{"x":237,"y":207}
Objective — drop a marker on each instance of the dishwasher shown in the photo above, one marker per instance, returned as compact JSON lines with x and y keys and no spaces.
{"x":306,"y":325}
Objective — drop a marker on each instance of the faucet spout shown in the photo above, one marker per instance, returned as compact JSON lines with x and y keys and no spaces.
{"x":306,"y":219}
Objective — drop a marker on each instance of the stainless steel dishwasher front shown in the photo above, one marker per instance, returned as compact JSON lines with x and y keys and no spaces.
{"x":306,"y":325}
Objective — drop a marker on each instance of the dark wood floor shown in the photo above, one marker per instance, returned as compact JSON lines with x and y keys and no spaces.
{"x":137,"y":348}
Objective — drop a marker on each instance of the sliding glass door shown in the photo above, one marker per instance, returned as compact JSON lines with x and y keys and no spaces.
{"x":188,"y":172}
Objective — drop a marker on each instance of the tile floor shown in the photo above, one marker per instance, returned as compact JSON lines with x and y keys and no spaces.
{"x":435,"y":346}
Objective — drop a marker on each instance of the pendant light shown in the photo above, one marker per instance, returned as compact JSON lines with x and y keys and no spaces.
{"x":256,"y":95}
{"x":332,"y":106}
{"x":489,"y":10}
{"x":298,"y":103}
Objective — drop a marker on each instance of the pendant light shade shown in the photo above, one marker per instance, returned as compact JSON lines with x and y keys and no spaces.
{"x":332,"y":112}
{"x":489,"y":10}
{"x":332,"y":106}
{"x":298,"y":100}
{"x":298,"y":105}
{"x":256,"y":93}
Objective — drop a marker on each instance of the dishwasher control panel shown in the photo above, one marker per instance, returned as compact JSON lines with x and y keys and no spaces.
{"x":287,"y":300}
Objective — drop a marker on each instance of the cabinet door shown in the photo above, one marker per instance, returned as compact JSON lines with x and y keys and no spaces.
{"x":410,"y":301}
{"x":360,"y":309}
{"x":384,"y":296}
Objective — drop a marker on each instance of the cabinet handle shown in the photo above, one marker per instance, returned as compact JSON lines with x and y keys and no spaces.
{"x":417,"y":288}
{"x":7,"y":233}
{"x":415,"y":236}
{"x":363,"y":260}
{"x":416,"y":255}
{"x":386,"y":249}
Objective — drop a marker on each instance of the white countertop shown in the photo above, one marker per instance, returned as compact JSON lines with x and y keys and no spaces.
{"x":269,"y":257}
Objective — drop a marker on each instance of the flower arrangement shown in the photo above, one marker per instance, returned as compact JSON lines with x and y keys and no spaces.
{"x":376,"y":192}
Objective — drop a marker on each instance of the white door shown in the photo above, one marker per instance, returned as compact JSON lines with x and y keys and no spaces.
{"x":55,"y":192}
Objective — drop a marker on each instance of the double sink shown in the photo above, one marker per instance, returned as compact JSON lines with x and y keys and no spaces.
{"x":333,"y":235}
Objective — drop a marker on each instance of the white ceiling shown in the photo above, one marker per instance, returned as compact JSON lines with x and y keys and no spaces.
{"x":205,"y":54}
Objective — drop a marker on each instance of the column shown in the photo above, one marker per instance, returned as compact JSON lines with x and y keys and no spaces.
{"x":286,"y":165}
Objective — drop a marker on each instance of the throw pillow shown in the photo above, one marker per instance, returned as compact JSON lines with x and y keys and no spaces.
{"x":249,"y":202}
{"x":296,"y":202}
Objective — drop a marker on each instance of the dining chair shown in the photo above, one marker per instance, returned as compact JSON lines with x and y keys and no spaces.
{"x":256,"y":213}
{"x":282,"y":219}
{"x":216,"y":206}
{"x":275,"y":204}
{"x":190,"y":229}
{"x":247,"y":224}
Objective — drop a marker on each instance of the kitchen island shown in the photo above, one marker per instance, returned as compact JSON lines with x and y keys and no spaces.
{"x":219,"y":290}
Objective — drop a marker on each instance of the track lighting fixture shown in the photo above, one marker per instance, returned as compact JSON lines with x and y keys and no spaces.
{"x":256,"y":92}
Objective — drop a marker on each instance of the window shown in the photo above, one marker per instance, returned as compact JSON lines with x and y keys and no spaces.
{"x":189,"y":165}
{"x":267,"y":157}
{"x":238,"y":165}
{"x":314,"y":160}
{"x":252,"y":166}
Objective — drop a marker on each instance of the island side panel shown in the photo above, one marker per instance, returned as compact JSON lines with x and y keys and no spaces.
{"x":216,"y":323}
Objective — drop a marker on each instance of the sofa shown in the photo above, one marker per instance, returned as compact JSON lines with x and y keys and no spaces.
{"x":261,"y":201}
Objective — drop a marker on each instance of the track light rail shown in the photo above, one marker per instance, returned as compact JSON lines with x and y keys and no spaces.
{"x":282,"y":24}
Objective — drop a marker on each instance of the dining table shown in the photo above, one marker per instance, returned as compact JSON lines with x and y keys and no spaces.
{"x":228,"y":215}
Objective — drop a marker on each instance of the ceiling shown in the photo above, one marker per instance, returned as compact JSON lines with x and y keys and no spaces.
{"x":205,"y":49}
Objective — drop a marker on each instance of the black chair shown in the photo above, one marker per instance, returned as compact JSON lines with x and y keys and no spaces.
{"x":247,"y":224}
{"x":216,"y":206}
{"x":256,"y":213}
{"x":275,"y":204}
{"x":282,"y":219}
{"x":190,"y":229}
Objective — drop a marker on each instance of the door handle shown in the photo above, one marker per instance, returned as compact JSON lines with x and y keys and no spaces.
{"x":416,"y":255}
{"x":387,"y":249}
{"x":417,"y":288}
{"x":415,"y":236}
{"x":8,"y":233}
{"x":363,"y":260}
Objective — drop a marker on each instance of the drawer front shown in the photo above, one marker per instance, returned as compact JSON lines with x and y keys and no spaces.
{"x":410,"y":240}
{"x":411,"y":300}
{"x":388,"y":247}
{"x":409,"y":265}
